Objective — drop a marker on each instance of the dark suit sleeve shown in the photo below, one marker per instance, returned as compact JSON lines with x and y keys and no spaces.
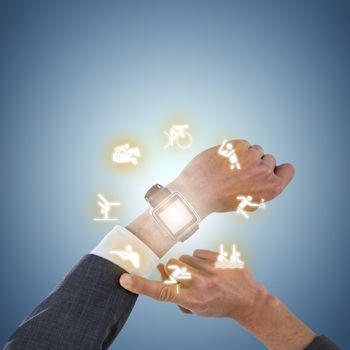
{"x":86,"y":311}
{"x":322,"y":343}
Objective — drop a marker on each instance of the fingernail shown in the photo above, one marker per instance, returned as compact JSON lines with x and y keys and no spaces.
{"x":126,"y":280}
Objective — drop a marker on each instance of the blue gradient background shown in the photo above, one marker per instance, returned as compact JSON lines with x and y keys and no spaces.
{"x":75,"y":77}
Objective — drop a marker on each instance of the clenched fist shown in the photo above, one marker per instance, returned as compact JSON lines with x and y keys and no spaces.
{"x":210,"y":184}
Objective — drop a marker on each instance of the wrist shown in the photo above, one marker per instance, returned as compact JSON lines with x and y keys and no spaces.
{"x":115,"y":247}
{"x":148,"y":231}
{"x":251,"y":313}
{"x":268,"y":319}
{"x":193,"y":196}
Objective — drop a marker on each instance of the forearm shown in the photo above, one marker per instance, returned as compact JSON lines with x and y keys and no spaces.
{"x":89,"y":306}
{"x":274,"y":325}
{"x":86,"y":311}
{"x":147,"y":230}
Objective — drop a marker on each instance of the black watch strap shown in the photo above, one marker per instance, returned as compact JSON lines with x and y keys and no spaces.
{"x":156,"y":194}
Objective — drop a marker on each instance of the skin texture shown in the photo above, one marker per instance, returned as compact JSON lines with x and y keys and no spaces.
{"x":211,"y":186}
{"x":232,"y":293}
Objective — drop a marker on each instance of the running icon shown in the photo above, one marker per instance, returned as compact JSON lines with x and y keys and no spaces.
{"x":246,"y":201}
{"x":178,"y":274}
{"x":179,"y":135}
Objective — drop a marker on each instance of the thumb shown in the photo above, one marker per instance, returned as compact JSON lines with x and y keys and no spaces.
{"x":153,"y":289}
{"x":286,"y":173}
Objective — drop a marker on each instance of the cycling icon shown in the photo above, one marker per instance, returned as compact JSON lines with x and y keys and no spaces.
{"x":179,"y":136}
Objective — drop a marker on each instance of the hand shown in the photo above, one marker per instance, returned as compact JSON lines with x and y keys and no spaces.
{"x":210,"y":292}
{"x":211,"y":186}
{"x":230,"y":293}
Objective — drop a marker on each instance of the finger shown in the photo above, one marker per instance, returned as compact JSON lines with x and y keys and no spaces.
{"x":184,"y":310}
{"x":285,"y":173}
{"x":163,"y":274}
{"x":258,"y":149}
{"x":250,"y":209}
{"x":240,"y":144}
{"x":171,"y":265}
{"x":153,"y":289}
{"x":193,"y":261}
{"x":270,"y":160}
{"x":205,"y":254}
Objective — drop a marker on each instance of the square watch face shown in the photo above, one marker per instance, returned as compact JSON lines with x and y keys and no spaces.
{"x":175,"y":215}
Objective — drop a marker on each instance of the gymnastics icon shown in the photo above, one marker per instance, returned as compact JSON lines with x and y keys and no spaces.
{"x":105,"y":206}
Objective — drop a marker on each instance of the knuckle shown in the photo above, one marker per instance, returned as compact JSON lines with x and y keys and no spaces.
{"x":183,"y":257}
{"x":269,"y":159}
{"x":272,"y":157}
{"x":263,"y":170}
{"x":171,"y":261}
{"x":210,"y":266}
{"x":265,"y":166}
{"x":209,"y":283}
{"x":166,"y":294}
{"x":206,"y":282}
{"x":241,"y":143}
{"x":256,"y":148}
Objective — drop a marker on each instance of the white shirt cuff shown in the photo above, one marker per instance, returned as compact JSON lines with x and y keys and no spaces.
{"x":123,"y":248}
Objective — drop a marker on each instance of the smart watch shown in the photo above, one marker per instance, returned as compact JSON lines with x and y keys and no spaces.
{"x":172,"y":212}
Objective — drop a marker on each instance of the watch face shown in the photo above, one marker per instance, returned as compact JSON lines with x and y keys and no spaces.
{"x":175,"y":215}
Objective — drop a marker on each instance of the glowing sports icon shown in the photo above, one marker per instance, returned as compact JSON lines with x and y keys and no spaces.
{"x":178,"y":134}
{"x":246,"y":201}
{"x":125,"y":154}
{"x":128,"y":255}
{"x":105,"y":206}
{"x":232,"y":262}
{"x":226,"y":150}
{"x":178,"y":274}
